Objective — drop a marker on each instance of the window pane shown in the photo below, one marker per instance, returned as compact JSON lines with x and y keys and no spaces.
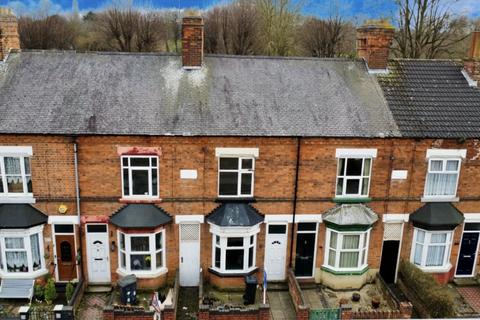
{"x":154,"y":161}
{"x":159,"y":257}
{"x":14,"y":243}
{"x":1,"y":184}
{"x":126,"y":184}
{"x":140,"y":182}
{"x":452,"y":165}
{"x":250,"y":257}
{"x":339,"y":186}
{"x":35,"y":247}
{"x":139,"y":244}
{"x":12,"y":165}
{"x":15,"y":184}
{"x":277,"y":229}
{"x":441,"y":184}
{"x":420,"y":236}
{"x":234,"y":259}
{"x":251,"y":239}
{"x":246,"y":183}
{"x":354,"y":167}
{"x":353,"y":186}
{"x":29,"y":184}
{"x":140,"y":162}
{"x":307,"y":226}
{"x":247,"y":163}
{"x":17,"y":261}
{"x":154,"y":182}
{"x":366,"y":167}
{"x":217,"y":240}
{"x":122,"y":241}
{"x":365,"y":186}
{"x":341,"y":167}
{"x":235,"y":242}
{"x":140,"y":262}
{"x":96,"y":228}
{"x":125,"y":161}
{"x":228,"y":183}
{"x":364,"y":256}
{"x":64,"y":228}
{"x":351,"y":241}
{"x":438,"y":238}
{"x":122,"y":260}
{"x":436,"y":165}
{"x":229,"y":163}
{"x":158,"y":241}
{"x":348,"y":259}
{"x":435,"y":255}
{"x":417,"y":257}
{"x":333,"y":240}
{"x":218,"y":257}
{"x":331,"y":258}
{"x":26,"y":162}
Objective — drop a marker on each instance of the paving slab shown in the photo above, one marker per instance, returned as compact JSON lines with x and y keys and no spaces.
{"x":91,"y":306}
{"x":281,"y":305}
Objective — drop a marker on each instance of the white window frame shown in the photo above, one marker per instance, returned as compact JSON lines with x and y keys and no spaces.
{"x":15,"y":196}
{"x":446,"y":266}
{"x":364,"y":243}
{"x":239,"y":171}
{"x":25,"y":234}
{"x":345,"y":178}
{"x":144,"y":168}
{"x":152,"y":252}
{"x":444,"y":160}
{"x":234,"y":232}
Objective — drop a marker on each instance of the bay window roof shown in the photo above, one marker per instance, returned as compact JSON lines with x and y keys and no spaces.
{"x":437,"y":216}
{"x":350,"y":215}
{"x":140,"y":216}
{"x":235,"y":214}
{"x":20,"y":216}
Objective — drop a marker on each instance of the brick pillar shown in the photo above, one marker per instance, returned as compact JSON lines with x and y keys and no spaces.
{"x":406,"y":310}
{"x":472,"y":63}
{"x":192,"y":42}
{"x":303,"y":313}
{"x":9,"y":38}
{"x":373,"y":43}
{"x":264,"y":312}
{"x":108,"y":313}
{"x":203,"y":312}
{"x":346,"y":311}
{"x":168,"y":314}
{"x":23,"y":312}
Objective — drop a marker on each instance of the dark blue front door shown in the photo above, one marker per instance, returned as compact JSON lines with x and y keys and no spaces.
{"x":468,"y":250}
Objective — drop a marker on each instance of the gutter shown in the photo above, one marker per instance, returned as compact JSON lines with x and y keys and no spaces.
{"x":295,"y":196}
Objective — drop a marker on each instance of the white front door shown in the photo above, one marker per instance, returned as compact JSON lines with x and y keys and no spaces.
{"x":189,"y":254}
{"x":98,"y":253}
{"x":275,"y":251}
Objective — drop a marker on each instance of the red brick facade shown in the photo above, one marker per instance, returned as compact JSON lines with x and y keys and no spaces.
{"x":192,"y":42}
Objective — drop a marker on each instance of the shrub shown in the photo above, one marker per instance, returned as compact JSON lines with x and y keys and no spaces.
{"x":436,"y":298}
{"x":38,"y":291}
{"x":69,"y":291}
{"x":50,"y":291}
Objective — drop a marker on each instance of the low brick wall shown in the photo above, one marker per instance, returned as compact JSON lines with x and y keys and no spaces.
{"x":404,"y":312}
{"x":260,"y":313}
{"x":126,"y":313}
{"x":302,"y":309}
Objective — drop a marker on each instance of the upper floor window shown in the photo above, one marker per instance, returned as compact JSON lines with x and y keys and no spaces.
{"x":353,"y":176}
{"x":442,"y":177}
{"x":140,"y":176}
{"x":15,"y":176}
{"x":235,"y":176}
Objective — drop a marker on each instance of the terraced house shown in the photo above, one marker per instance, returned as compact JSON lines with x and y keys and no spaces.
{"x":114,"y":164}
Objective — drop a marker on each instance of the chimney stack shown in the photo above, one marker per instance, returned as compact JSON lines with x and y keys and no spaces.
{"x":9,"y":38}
{"x":472,"y":63}
{"x":192,"y":42}
{"x":374,"y":39}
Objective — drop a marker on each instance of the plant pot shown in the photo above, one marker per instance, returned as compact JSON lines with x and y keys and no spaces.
{"x":356,"y":297}
{"x":375,"y":302}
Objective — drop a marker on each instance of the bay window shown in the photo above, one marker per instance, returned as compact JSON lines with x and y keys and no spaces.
{"x":141,"y":253}
{"x":431,"y":249}
{"x":21,"y":251}
{"x":140,"y":176}
{"x":353,"y":177}
{"x":442,"y":178}
{"x":347,"y":250}
{"x":15,"y":176}
{"x":235,"y":176}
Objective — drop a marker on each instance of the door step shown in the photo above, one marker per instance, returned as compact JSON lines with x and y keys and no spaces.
{"x":465,"y":282}
{"x":99,"y":288}
{"x":277,"y":286}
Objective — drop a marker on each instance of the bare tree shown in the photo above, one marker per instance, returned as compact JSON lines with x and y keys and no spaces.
{"x":426,"y":29}
{"x":216,"y":28}
{"x":51,"y":32}
{"x":243,"y":28}
{"x":322,"y":38}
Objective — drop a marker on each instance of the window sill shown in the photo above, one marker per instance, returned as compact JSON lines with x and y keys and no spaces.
{"x":340,"y":199}
{"x":440,"y":199}
{"x":140,"y":200}
{"x":335,"y":271}
{"x":143,"y":274}
{"x":442,"y":269}
{"x":17,"y":199}
{"x":234,"y":199}
{"x":23,"y":275}
{"x":224,"y":274}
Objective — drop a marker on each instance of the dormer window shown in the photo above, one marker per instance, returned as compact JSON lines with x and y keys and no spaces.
{"x":140,"y":177}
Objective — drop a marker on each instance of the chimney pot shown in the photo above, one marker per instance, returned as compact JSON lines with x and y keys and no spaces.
{"x":374,"y":39}
{"x":192,"y":42}
{"x":9,"y":38}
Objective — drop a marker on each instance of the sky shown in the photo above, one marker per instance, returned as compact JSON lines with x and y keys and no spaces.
{"x":353,"y":9}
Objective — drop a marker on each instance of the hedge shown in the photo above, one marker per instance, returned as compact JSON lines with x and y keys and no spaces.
{"x":436,"y":298}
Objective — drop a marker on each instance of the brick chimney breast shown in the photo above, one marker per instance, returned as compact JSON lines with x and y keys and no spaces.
{"x":373,"y":43}
{"x":9,"y":38}
{"x":192,"y":42}
{"x":472,"y":63}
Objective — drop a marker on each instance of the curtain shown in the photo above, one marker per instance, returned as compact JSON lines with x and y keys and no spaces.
{"x":441,"y":184}
{"x":14,"y":174}
{"x":35,"y":246}
{"x":417,"y":257}
{"x":14,"y":243}
{"x":348,"y":260}
{"x":435,"y":255}
{"x":351,"y":241}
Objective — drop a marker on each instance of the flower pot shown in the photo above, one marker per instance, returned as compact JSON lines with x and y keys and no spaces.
{"x":356,"y":297}
{"x":375,"y":302}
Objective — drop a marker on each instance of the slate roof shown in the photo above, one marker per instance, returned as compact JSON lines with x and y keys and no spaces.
{"x":432,"y":99}
{"x":437,"y":216}
{"x":235,"y":214}
{"x":48,"y":92}
{"x":140,"y":216}
{"x":351,"y":214}
{"x":20,"y":216}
